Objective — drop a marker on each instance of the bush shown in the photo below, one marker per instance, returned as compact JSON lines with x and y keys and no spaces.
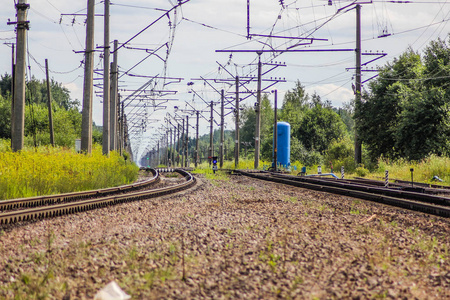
{"x":341,"y":153}
{"x":311,"y":158}
{"x":361,"y":172}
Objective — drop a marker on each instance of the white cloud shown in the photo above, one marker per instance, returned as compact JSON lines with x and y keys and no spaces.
{"x":336,"y":94}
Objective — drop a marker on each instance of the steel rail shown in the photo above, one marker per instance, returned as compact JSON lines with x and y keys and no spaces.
{"x":29,"y":202}
{"x":394,"y":198}
{"x":393,"y":192}
{"x":426,"y":187}
{"x":74,"y":207}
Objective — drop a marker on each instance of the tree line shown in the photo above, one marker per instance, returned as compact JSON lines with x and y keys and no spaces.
{"x":66,"y":114}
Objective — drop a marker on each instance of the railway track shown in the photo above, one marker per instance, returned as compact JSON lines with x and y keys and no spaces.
{"x":426,"y":203}
{"x":35,"y":208}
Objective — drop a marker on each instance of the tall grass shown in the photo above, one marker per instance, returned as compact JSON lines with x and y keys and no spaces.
{"x":45,"y":171}
{"x":424,"y":170}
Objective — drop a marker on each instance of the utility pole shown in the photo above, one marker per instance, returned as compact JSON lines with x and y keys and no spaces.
{"x":186,"y":164}
{"x":166,"y":159}
{"x":358,"y":154}
{"x":236,"y":132}
{"x":159,"y":160}
{"x":258,"y":114}
{"x":170,"y":146}
{"x":167,"y":142}
{"x":173,"y":145}
{"x":211,"y":132}
{"x":106,"y":84}
{"x":178,"y":145}
{"x":121,"y":129}
{"x":50,"y":112}
{"x":13,"y":66}
{"x":86,"y":121}
{"x":182,"y":144}
{"x":222,"y":121}
{"x":114,"y":99}
{"x":275,"y":132}
{"x":196,"y":140}
{"x":18,"y":123}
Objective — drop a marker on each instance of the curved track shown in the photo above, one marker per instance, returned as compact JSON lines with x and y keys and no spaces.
{"x":19,"y":210}
{"x":37,"y":201}
{"x":425,"y":203}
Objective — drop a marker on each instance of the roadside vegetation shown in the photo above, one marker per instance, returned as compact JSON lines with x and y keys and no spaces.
{"x":47,"y":170}
{"x":41,"y":169}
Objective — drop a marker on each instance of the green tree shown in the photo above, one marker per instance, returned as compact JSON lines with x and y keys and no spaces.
{"x":437,"y":64}
{"x":406,"y":113}
{"x":5,"y":85}
{"x":424,"y":124}
{"x":247,"y":131}
{"x":379,"y":114}
{"x":346,"y":114}
{"x":319,"y":127}
{"x":66,"y":124}
{"x":295,"y":104}
{"x":5,"y":117}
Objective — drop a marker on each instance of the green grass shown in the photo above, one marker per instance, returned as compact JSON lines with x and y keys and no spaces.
{"x":424,"y":170}
{"x":46,"y":170}
{"x":244,"y":164}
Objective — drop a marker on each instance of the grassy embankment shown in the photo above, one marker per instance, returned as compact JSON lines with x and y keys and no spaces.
{"x":46,"y":170}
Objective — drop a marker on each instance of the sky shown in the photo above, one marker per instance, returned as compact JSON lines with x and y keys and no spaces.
{"x":185,"y":43}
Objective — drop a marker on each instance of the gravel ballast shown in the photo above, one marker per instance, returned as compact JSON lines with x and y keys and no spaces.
{"x":226,"y":239}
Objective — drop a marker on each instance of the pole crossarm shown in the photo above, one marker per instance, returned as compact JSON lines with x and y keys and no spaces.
{"x":282,"y":51}
{"x":288,"y":37}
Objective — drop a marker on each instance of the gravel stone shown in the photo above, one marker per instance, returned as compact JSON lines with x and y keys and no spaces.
{"x":225,"y":239}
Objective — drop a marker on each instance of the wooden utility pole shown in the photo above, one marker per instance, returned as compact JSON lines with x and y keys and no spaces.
{"x":49,"y":102}
{"x":222,"y":121}
{"x":236,"y":132}
{"x":18,"y":123}
{"x":358,"y":155}
{"x":258,"y":114}
{"x":114,"y":98}
{"x":86,"y":121}
{"x":106,"y":84}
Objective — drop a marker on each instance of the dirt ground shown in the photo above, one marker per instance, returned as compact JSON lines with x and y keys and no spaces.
{"x":226,"y":239}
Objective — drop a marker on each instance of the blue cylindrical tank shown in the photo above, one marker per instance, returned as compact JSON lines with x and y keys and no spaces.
{"x":283,"y":144}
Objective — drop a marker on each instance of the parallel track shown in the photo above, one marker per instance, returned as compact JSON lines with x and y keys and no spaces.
{"x":54,"y":209}
{"x":425,"y":203}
